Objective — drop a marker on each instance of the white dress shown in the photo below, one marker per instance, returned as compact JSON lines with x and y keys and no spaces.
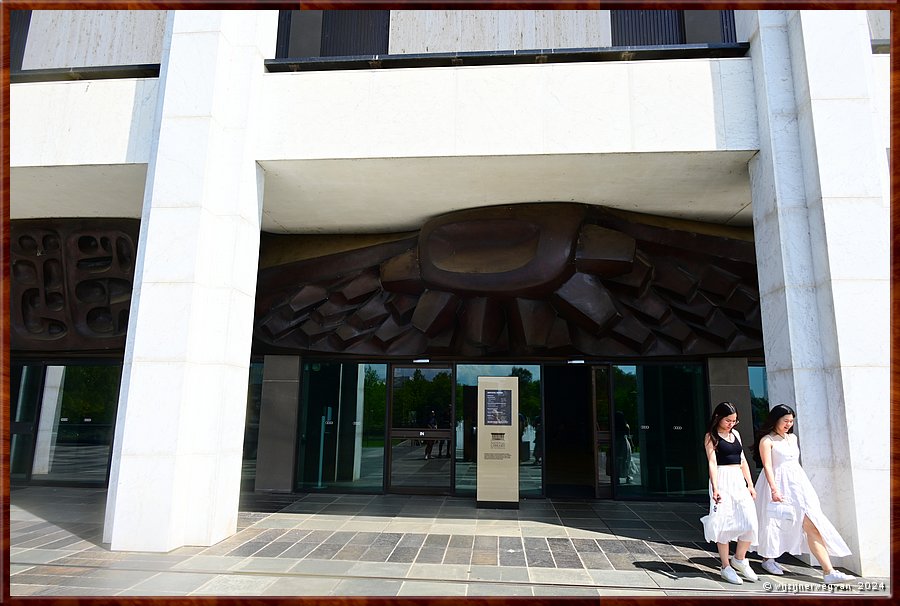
{"x":778,"y":535}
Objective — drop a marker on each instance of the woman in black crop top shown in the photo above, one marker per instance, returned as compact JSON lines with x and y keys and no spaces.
{"x":732,"y":510}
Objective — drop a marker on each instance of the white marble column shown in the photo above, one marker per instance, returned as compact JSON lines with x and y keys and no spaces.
{"x":175,"y":475}
{"x":821,"y":220}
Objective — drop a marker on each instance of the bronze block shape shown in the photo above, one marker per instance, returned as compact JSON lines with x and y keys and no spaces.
{"x":411,"y":342}
{"x":402,"y":307}
{"x":632,"y":333}
{"x":361,"y":287}
{"x":531,"y":322}
{"x":672,"y":277}
{"x":482,"y":321}
{"x":435,"y":312}
{"x":637,"y":279}
{"x":719,"y":281}
{"x":390,"y":329}
{"x":604,"y":252}
{"x":584,"y":301}
{"x":308,"y":297}
{"x":401,"y":274}
{"x":372,"y":314}
{"x":278,"y":324}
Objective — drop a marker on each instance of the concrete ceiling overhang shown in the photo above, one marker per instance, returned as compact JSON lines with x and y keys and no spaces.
{"x":371,"y":195}
{"x":102,"y":190}
{"x":396,"y":194}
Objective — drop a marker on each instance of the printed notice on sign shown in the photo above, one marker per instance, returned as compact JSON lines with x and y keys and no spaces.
{"x":498,"y":407}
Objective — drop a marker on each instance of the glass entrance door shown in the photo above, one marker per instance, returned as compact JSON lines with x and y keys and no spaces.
{"x":421,"y":435}
{"x":341,"y":427}
{"x":658,"y":425}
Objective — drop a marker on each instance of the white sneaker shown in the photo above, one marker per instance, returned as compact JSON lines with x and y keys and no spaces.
{"x":743,"y":567}
{"x":772,"y":567}
{"x":836,"y":576}
{"x":730,"y":575}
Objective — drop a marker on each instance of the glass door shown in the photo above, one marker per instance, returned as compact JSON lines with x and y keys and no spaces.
{"x":658,"y":426}
{"x":341,"y":427}
{"x":421,"y":429}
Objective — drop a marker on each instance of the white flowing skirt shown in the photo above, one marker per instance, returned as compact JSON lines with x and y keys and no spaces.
{"x":734,"y":517}
{"x":777,"y":536}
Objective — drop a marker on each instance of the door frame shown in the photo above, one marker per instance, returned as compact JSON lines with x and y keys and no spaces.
{"x":391,"y":432}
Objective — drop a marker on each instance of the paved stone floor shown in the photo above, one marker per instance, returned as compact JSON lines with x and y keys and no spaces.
{"x":387,"y":545}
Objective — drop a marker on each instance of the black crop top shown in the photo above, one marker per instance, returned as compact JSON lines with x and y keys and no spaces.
{"x":728,"y":453}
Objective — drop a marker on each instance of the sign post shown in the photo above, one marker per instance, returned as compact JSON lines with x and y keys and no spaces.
{"x":498,"y":442}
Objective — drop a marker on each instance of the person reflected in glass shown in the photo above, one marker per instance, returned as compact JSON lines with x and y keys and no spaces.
{"x":442,"y":444}
{"x":732,"y":510}
{"x":538,"y":441}
{"x":790,"y":515}
{"x":429,"y":443}
{"x":624,"y":448}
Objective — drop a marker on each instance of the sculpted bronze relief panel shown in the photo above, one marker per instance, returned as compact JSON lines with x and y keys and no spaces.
{"x":71,"y":282}
{"x":530,"y":280}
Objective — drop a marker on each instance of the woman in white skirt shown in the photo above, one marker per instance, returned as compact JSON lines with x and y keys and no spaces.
{"x":732,"y":514}
{"x":790,"y":516}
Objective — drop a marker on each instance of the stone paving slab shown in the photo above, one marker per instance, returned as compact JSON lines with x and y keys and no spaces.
{"x":383,"y":545}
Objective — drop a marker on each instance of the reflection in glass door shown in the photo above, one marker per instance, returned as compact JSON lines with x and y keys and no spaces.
{"x":62,"y":420}
{"x":25,"y":387}
{"x":341,"y":427}
{"x":421,"y":434}
{"x":658,"y":426}
{"x":603,"y":430}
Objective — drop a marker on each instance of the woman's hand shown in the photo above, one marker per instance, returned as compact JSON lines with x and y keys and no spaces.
{"x":752,"y":491}
{"x":776,"y":496}
{"x":716,"y":497}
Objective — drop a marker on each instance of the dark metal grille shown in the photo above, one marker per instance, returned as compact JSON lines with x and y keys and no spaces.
{"x":348,"y":33}
{"x":650,"y":27}
{"x":729,"y":33}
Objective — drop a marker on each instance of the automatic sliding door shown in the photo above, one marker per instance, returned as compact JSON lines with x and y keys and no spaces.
{"x":421,"y":436}
{"x":658,"y":426}
{"x":341,"y":427}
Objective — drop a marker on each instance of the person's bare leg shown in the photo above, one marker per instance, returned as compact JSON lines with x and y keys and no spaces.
{"x":817,"y":545}
{"x":723,"y":553}
{"x":741,"y":552}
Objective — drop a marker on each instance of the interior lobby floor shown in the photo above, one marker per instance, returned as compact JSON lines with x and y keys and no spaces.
{"x":393,"y":545}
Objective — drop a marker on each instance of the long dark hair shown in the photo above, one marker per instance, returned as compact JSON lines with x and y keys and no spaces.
{"x":775,"y":414}
{"x":722,"y":409}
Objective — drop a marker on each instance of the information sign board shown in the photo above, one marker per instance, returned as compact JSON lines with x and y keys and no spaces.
{"x":498,"y":442}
